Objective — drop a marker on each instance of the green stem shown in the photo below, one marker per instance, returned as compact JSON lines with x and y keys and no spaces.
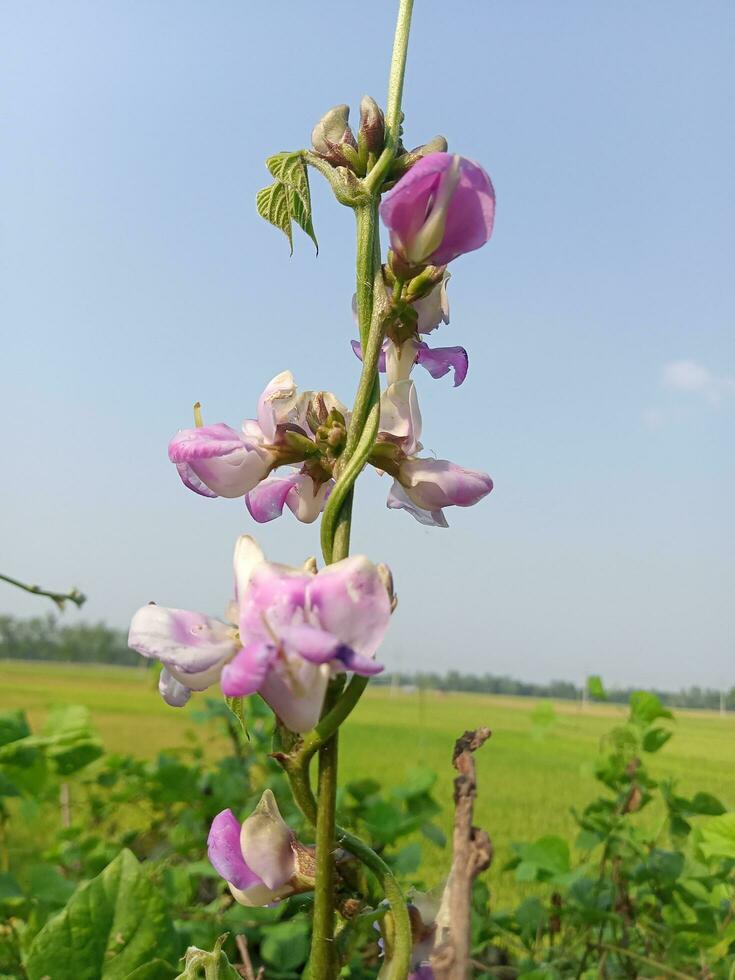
{"x":395,"y":96}
{"x":323,"y":961}
{"x":335,"y":539}
{"x":73,"y":595}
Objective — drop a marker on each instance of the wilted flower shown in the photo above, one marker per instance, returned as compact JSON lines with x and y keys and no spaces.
{"x":423,"y":487}
{"x":261,"y":861}
{"x":290,"y":630}
{"x":215,"y":460}
{"x":443,"y":207}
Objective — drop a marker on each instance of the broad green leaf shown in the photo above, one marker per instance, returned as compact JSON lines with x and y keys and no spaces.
{"x":286,"y":945}
{"x":288,"y":199}
{"x":544,"y":858}
{"x":13,"y":725}
{"x":705,"y":803}
{"x":272,"y":204}
{"x":47,"y":884}
{"x":419,"y":781}
{"x":111,"y":926}
{"x":718,"y":837}
{"x":155,"y":970}
{"x":9,"y":887}
{"x":65,"y":718}
{"x":645,"y":708}
{"x":655,"y":739}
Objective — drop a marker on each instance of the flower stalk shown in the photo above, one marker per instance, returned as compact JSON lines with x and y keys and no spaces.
{"x":335,"y":538}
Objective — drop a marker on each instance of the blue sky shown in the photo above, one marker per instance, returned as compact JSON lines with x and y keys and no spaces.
{"x":136,"y":278}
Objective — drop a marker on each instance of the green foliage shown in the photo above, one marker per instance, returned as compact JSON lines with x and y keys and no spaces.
{"x":288,"y":198}
{"x":112,"y":926}
{"x":595,"y":688}
{"x":632,"y":901}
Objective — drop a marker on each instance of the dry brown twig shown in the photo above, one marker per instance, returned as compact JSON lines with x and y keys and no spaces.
{"x":247,"y":964}
{"x":472,"y":853}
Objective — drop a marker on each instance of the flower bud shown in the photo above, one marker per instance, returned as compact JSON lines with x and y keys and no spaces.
{"x":405,"y":161}
{"x":371,"y":135}
{"x":443,"y":207}
{"x":333,"y":139}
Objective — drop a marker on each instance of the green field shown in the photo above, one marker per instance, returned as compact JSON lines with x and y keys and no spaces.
{"x":528,"y":777}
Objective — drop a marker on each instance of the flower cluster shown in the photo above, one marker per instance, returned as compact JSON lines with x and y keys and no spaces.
{"x":289,"y":630}
{"x":307,"y":432}
{"x":304,"y":431}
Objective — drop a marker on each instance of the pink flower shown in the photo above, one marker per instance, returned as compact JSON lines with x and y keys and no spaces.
{"x":297,"y":628}
{"x":258,"y":859}
{"x":290,"y":630}
{"x":442,"y":208}
{"x":423,"y":487}
{"x":216,"y":460}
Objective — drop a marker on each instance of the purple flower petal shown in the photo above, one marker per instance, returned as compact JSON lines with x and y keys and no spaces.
{"x":438,"y":361}
{"x":266,"y":501}
{"x":192,"y":481}
{"x":443,"y":207}
{"x":277,"y":401}
{"x":398,"y":499}
{"x":245,"y":674}
{"x":435,"y":483}
{"x":191,"y":645}
{"x":295,"y":691}
{"x":351,"y":602}
{"x":400,"y":417}
{"x":306,"y":500}
{"x":172,"y":691}
{"x":357,"y":663}
{"x":205,"y":442}
{"x":225,"y":855}
{"x":357,"y":348}
{"x":265,"y":843}
{"x":313,"y":644}
{"x":275,"y":596}
{"x":297,"y":492}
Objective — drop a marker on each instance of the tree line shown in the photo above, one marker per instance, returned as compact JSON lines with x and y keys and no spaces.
{"x":46,"y":638}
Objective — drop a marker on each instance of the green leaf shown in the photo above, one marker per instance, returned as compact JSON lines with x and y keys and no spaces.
{"x":13,"y":725}
{"x":655,"y":739}
{"x":408,"y":859}
{"x":9,"y":887}
{"x":48,"y":885}
{"x":645,"y":708}
{"x":286,"y":945}
{"x":288,"y":199}
{"x":705,"y":803}
{"x":435,"y":834}
{"x":272,"y":204}
{"x":418,"y":782}
{"x":237,"y":707}
{"x":111,"y":926}
{"x":718,"y":837}
{"x":595,"y":688}
{"x":155,"y":970}
{"x":544,"y":858}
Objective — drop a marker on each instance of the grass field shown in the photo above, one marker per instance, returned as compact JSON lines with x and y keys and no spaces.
{"x":527,"y":781}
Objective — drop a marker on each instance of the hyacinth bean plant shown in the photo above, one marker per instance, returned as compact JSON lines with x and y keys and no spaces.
{"x":305,"y":639}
